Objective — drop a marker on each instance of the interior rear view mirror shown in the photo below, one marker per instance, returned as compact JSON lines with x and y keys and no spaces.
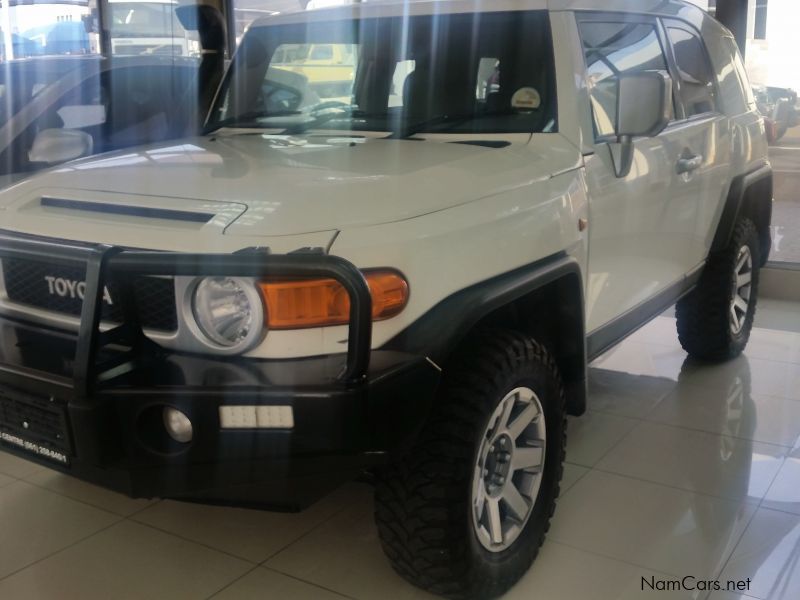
{"x":53,"y":146}
{"x":644,"y":107}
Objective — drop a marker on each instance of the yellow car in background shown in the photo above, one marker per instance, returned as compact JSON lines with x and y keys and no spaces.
{"x":329,"y":68}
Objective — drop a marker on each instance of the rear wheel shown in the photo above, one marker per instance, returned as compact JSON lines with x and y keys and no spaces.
{"x":715,"y":320}
{"x":465,"y":512}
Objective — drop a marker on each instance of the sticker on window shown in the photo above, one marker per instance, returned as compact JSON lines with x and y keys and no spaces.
{"x":526,"y":98}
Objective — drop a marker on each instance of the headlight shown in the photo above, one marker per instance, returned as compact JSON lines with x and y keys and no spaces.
{"x":228,"y":311}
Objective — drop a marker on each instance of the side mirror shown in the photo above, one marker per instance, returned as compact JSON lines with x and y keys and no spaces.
{"x":644,"y":108}
{"x":53,"y":146}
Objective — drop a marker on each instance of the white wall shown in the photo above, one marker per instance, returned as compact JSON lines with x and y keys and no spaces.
{"x":783,"y":26}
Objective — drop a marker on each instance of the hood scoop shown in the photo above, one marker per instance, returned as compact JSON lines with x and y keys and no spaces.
{"x":145,"y":212}
{"x":120,"y":219}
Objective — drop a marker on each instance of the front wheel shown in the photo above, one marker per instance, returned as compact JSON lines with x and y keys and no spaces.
{"x":464,"y":513}
{"x":715,"y":320}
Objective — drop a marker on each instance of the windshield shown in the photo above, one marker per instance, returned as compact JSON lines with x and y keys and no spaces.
{"x":144,"y":19}
{"x":464,"y":73}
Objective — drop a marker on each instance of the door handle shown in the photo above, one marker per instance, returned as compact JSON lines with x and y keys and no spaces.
{"x":690,"y":163}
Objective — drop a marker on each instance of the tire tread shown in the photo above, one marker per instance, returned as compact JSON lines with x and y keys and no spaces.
{"x":702,"y":316}
{"x":414,"y":497}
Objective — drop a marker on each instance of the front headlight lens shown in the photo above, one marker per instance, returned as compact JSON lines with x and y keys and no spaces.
{"x":226,"y":310}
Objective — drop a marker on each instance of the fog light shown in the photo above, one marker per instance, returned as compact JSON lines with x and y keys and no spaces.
{"x":178,"y":425}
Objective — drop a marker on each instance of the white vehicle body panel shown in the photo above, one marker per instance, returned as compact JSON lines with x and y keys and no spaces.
{"x":644,"y":233}
{"x":471,"y":243}
{"x":319,"y":183}
{"x":511,"y":205}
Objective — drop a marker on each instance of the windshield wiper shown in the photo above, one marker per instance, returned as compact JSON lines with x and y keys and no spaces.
{"x":332,"y":116}
{"x":251,"y":119}
{"x":412,"y":129}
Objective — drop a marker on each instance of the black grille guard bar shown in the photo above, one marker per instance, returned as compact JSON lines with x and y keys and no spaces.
{"x":100,"y":260}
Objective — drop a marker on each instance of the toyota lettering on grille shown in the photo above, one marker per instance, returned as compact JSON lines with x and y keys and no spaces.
{"x":70,"y":288}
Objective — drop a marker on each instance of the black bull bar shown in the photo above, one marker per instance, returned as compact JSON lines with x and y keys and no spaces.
{"x":103,"y":260}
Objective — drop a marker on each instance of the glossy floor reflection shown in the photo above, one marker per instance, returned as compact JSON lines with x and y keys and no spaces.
{"x":678,"y":469}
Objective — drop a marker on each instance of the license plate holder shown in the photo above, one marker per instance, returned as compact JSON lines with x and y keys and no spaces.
{"x":35,"y":425}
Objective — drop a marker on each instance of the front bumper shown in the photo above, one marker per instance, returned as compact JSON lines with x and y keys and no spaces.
{"x":91,"y":405}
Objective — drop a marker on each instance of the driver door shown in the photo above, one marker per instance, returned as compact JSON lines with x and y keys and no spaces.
{"x":641,"y":233}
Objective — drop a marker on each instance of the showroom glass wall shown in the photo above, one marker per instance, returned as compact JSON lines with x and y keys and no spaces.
{"x":772,"y":65}
{"x":121,"y":73}
{"x":36,"y":28}
{"x":113,"y":75}
{"x":771,"y":57}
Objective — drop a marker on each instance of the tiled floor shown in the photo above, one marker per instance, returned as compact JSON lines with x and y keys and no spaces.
{"x":677,"y":469}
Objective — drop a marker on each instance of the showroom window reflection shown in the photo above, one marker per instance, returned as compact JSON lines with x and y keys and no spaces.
{"x":44,"y":29}
{"x":771,"y":57}
{"x":69,"y":28}
{"x":771,"y":64}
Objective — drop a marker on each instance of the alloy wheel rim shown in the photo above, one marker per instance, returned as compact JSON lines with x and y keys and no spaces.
{"x":742,"y":290}
{"x":509,"y":469}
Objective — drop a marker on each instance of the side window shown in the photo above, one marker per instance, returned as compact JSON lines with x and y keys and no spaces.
{"x":402,"y":71}
{"x":611,"y":49}
{"x":322,"y":53}
{"x":488,"y":78}
{"x":741,"y":75}
{"x":696,"y":74}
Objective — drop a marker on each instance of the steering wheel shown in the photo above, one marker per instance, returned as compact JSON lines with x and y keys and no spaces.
{"x":331,"y":105}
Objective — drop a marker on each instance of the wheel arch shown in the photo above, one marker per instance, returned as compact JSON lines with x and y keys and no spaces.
{"x":543,"y":300}
{"x":750,"y":196}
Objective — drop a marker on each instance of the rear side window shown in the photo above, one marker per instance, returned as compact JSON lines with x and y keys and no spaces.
{"x":696,"y":75}
{"x":741,"y":76}
{"x":611,"y":49}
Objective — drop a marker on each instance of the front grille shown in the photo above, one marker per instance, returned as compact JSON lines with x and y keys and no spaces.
{"x":58,"y":288}
{"x":34,"y":419}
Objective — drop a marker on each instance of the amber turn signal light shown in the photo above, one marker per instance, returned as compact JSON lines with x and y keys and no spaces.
{"x":324,"y":302}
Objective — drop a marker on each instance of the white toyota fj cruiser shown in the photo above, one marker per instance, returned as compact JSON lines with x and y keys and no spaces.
{"x":408,"y":278}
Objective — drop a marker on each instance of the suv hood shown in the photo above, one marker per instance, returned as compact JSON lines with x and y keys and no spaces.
{"x":254,"y":184}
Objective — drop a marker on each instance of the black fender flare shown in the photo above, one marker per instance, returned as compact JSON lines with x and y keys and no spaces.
{"x":439,"y":331}
{"x":735,"y":203}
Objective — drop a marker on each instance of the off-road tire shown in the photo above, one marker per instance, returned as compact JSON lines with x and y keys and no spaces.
{"x":422,"y":503}
{"x":703,"y":321}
